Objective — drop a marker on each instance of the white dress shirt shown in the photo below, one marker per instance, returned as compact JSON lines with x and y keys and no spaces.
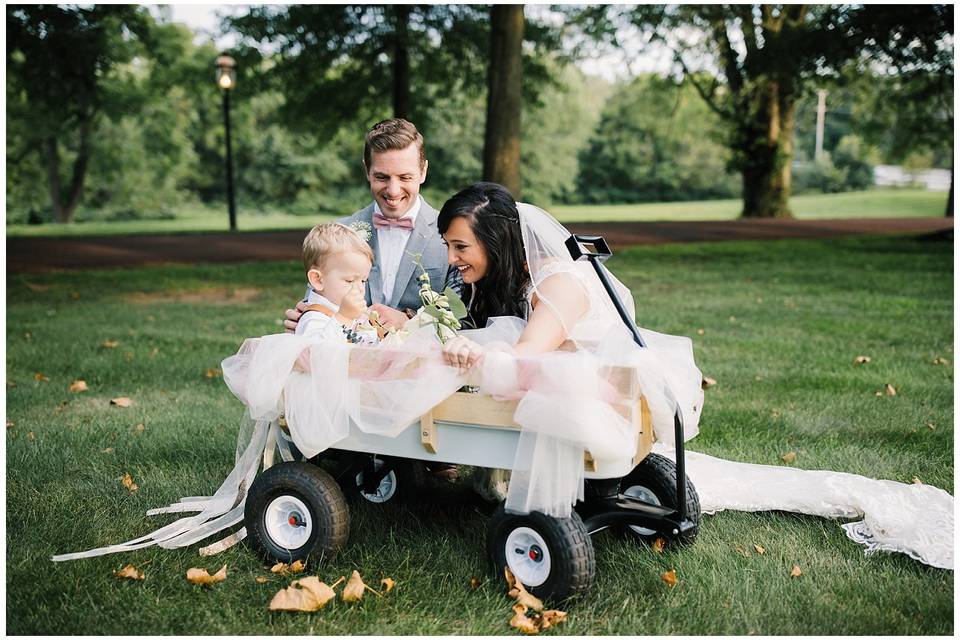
{"x":392,"y":241}
{"x":319,"y":325}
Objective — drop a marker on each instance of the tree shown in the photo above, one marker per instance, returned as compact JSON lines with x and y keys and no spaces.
{"x":501,"y":142}
{"x":760,"y":57}
{"x":59,"y":64}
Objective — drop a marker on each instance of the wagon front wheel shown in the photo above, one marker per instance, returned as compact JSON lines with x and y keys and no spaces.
{"x":654,"y":480}
{"x":552,"y":557}
{"x":295,"y":510}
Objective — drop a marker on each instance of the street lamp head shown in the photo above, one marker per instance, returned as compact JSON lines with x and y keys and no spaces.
{"x":226,"y":72}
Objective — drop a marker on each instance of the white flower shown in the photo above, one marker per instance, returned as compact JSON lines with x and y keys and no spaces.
{"x":363,"y":229}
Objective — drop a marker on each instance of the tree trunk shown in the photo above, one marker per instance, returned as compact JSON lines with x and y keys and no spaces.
{"x":765,"y":142}
{"x":63,"y":212}
{"x":501,"y":142}
{"x":950,"y":195}
{"x":401,"y":62}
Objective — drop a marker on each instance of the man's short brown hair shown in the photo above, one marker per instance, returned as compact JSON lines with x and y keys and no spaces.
{"x":392,"y":135}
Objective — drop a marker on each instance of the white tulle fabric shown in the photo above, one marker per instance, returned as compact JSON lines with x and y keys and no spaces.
{"x":566,"y":405}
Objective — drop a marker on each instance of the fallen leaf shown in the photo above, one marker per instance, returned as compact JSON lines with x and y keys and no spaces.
{"x":9,"y":423}
{"x":759,"y":549}
{"x":931,"y":426}
{"x":154,"y":352}
{"x":129,"y":572}
{"x":77,"y":386}
{"x":31,"y":435}
{"x":262,"y":579}
{"x":551,"y":617}
{"x":700,"y":332}
{"x":353,"y":590}
{"x":861,"y":360}
{"x":670,"y":577}
{"x":285,"y":569}
{"x":941,"y":361}
{"x":508,"y":575}
{"x":128,"y":355}
{"x":277,"y":568}
{"x":11,"y":384}
{"x":128,"y":482}
{"x":742,"y":551}
{"x":28,"y":336}
{"x":387,"y":584}
{"x":707,"y":382}
{"x":917,"y":480}
{"x":523,"y":623}
{"x":879,"y":394}
{"x":139,"y":427}
{"x":306,"y":594}
{"x":759,"y":300}
{"x":122,"y":401}
{"x":203,"y":577}
{"x":519,"y":593}
{"x":658,"y":545}
{"x":795,"y":572}
{"x":475,"y":582}
{"x":890,"y":391}
{"x":108,"y":450}
{"x":109,"y":344}
{"x":733,"y":318}
{"x":39,"y":377}
{"x":213,"y":373}
{"x":789,"y":457}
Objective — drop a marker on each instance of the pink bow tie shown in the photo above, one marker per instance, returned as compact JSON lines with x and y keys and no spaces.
{"x":380,"y":221}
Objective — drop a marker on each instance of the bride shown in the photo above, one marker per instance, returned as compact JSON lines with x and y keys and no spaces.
{"x":544,"y":328}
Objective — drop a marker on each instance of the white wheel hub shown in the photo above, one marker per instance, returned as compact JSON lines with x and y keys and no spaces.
{"x":385,"y":490}
{"x":648,"y":496}
{"x":528,"y":556}
{"x":288,"y":522}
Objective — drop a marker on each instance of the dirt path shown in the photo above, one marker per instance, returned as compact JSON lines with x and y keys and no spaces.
{"x":34,"y":255}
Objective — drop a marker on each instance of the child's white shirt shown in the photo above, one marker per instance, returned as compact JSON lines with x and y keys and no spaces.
{"x":319,"y":325}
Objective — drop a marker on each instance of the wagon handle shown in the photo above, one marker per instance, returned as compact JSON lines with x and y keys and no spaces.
{"x":596,"y":250}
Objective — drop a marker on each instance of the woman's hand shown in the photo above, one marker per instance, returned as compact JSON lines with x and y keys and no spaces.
{"x":293,"y":316}
{"x":462,"y":353}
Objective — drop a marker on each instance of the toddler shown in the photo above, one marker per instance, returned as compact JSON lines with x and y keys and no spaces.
{"x":337,"y":261}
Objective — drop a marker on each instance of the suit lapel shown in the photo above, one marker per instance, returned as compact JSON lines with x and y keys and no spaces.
{"x":426,"y":225}
{"x":375,"y":281}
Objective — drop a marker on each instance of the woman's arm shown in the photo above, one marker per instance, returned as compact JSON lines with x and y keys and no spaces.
{"x":561,"y":302}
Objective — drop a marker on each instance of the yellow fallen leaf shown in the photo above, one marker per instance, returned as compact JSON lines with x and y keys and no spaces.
{"x":277,"y":568}
{"x":861,"y":360}
{"x":707,"y":382}
{"x":128,"y":355}
{"x":109,"y":344}
{"x":213,"y":373}
{"x":890,"y":390}
{"x":917,"y":480}
{"x":39,"y":377}
{"x":286,"y":569}
{"x":129,"y":572}
{"x":387,"y":584}
{"x":108,"y":450}
{"x":509,"y":577}
{"x":931,"y":426}
{"x":475,"y":582}
{"x":519,"y":593}
{"x":789,"y":457}
{"x":9,"y":423}
{"x":353,"y":590}
{"x":262,"y":579}
{"x":551,"y":618}
{"x":523,"y":623}
{"x":941,"y":361}
{"x":154,"y":352}
{"x":77,"y":386}
{"x":31,"y":435}
{"x":306,"y":594}
{"x":670,"y":577}
{"x":128,"y":482}
{"x":658,"y":545}
{"x":700,"y":332}
{"x":742,"y":551}
{"x":795,"y":572}
{"x":139,"y":427}
{"x":122,"y":401}
{"x":203,"y":577}
{"x":759,"y":549}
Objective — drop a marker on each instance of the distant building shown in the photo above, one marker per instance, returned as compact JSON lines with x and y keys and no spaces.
{"x":888,"y":175}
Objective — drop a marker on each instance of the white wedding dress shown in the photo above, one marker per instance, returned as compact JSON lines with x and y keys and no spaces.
{"x":563,"y":410}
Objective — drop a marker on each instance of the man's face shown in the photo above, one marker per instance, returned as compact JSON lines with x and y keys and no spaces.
{"x":395,"y":178}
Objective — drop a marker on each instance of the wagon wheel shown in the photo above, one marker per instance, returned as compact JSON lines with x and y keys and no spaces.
{"x":403,"y":483}
{"x":552,"y":557}
{"x":654,"y":480}
{"x":295,"y":510}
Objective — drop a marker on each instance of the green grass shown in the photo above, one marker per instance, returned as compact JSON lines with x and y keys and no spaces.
{"x":782,"y":322}
{"x":877,"y":203}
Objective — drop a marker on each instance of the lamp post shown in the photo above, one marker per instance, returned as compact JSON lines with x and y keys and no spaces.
{"x":227,"y":80}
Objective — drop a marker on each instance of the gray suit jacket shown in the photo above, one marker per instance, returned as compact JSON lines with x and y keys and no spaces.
{"x":424,"y":239}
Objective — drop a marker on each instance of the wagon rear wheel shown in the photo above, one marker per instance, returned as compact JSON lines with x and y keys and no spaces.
{"x":654,"y":480}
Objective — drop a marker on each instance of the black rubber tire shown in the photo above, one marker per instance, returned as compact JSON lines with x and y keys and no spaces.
{"x":659,"y":475}
{"x":410,"y":477}
{"x":318,"y":491}
{"x":571,"y":551}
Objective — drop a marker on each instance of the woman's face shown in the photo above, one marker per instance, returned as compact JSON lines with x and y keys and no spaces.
{"x":465,"y":251}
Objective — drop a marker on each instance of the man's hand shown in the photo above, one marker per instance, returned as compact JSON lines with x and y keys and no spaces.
{"x":462,"y":353}
{"x":390,"y":317}
{"x":293,"y":317}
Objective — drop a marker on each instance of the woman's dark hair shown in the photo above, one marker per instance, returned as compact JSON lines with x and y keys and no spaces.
{"x":492,"y":214}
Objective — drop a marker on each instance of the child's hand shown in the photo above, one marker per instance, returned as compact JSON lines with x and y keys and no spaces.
{"x":353,"y":304}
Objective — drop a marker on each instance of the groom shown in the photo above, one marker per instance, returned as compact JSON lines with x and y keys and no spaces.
{"x":403,"y":224}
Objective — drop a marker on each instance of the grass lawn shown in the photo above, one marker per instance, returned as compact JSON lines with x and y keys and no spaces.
{"x":782,"y":323}
{"x":877,"y":203}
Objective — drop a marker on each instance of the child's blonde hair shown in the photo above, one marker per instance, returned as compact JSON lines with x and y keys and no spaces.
{"x":329,"y":238}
